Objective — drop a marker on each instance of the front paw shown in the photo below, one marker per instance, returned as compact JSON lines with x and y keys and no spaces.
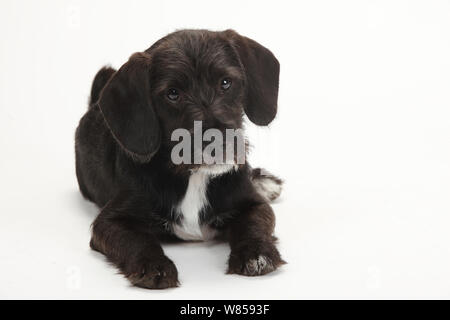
{"x":254,"y":259}
{"x":152,"y":273}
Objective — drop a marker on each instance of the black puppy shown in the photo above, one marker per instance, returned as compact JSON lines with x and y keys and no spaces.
{"x":123,"y":147}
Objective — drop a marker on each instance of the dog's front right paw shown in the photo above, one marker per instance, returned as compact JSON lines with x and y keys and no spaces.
{"x":159,"y":273}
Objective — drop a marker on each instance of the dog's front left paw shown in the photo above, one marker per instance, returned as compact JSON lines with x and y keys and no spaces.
{"x":255,"y":259}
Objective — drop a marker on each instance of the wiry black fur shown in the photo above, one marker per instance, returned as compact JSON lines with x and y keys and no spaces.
{"x":123,"y":151}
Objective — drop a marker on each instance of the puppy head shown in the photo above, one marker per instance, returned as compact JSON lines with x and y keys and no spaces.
{"x":190,"y":75}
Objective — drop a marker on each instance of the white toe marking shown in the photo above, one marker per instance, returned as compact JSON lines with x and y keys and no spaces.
{"x":258,"y":265}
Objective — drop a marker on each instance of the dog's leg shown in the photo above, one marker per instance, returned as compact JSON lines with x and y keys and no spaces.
{"x":253,"y":250}
{"x":124,"y":235}
{"x":267,"y":185}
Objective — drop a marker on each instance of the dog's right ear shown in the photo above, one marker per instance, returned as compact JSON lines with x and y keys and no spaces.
{"x":126,"y":106}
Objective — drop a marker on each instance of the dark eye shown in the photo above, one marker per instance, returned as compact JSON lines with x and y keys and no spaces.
{"x":172,"y":94}
{"x":225,"y":83}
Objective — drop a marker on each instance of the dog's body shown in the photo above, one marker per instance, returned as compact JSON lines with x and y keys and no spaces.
{"x":123,"y":161}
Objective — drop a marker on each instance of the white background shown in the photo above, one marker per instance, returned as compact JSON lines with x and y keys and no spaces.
{"x":362,"y":139}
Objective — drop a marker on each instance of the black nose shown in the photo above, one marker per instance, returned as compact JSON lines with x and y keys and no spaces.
{"x":209,"y":121}
{"x":205,"y":105}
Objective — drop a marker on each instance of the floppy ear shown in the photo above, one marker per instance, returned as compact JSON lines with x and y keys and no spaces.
{"x":262,"y":71}
{"x":126,"y":107}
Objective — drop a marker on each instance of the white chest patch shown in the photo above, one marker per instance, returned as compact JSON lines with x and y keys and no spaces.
{"x":194,"y":201}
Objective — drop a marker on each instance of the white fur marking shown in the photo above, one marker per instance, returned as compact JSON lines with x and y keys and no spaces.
{"x":256,"y":266}
{"x":267,"y":187}
{"x":194,"y":201}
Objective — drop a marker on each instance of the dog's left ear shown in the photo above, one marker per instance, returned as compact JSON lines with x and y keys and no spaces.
{"x":262,"y":71}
